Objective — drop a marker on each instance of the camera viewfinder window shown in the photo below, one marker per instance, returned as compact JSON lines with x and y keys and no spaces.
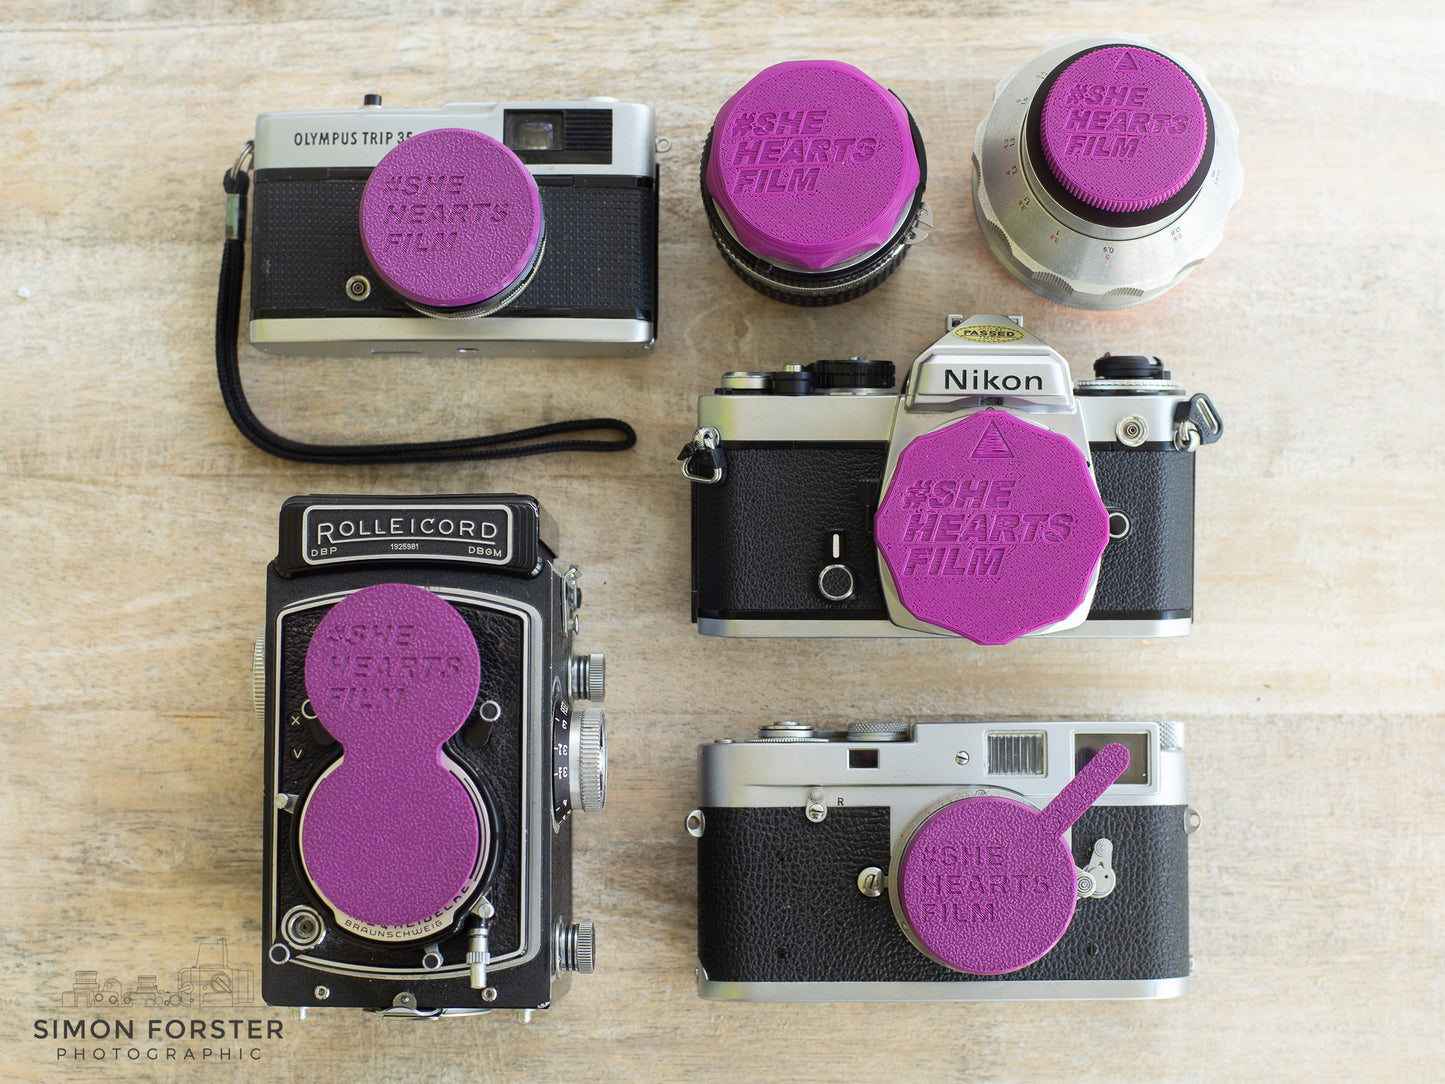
{"x":1086,"y":745}
{"x":533,"y":131}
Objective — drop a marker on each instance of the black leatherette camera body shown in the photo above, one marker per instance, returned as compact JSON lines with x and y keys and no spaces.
{"x":760,"y":536}
{"x":518,"y":612}
{"x":802,"y":918}
{"x":781,"y":911}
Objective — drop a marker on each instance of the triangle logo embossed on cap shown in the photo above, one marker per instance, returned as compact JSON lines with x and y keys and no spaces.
{"x":1126,"y":64}
{"x":991,"y":445}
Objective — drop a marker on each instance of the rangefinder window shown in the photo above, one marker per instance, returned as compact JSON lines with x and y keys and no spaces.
{"x":1086,"y":745}
{"x":559,"y":136}
{"x":533,"y":131}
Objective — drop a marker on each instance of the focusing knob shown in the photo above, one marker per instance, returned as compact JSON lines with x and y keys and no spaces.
{"x":578,"y":949}
{"x":258,"y":679}
{"x":589,"y":776}
{"x":587,"y":677}
{"x":853,"y":373}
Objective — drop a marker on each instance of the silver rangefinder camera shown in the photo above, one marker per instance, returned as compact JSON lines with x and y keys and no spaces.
{"x":944,"y":861}
{"x":518,"y":228}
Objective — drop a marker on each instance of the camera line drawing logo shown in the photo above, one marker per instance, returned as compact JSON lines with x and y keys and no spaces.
{"x":110,"y":1030}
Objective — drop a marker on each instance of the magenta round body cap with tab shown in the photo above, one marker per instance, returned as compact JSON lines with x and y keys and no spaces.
{"x":813,"y":164}
{"x":986,"y":884}
{"x":389,"y":835}
{"x":452,"y":221}
{"x":1123,"y":128}
{"x":991,"y":527}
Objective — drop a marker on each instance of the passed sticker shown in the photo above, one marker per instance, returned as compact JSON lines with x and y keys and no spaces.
{"x":988,"y":333}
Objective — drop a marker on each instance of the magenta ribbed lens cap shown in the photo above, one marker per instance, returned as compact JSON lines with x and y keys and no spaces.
{"x":991,"y":527}
{"x":389,"y":836}
{"x":812,"y":164}
{"x":986,"y":885}
{"x":1123,"y":128}
{"x":450,"y":218}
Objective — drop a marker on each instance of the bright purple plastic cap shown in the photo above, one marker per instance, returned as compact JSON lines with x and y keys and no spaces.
{"x":1123,"y":128}
{"x":450,"y":218}
{"x":986,"y":885}
{"x":389,"y":836}
{"x":991,"y":527}
{"x":812,"y":164}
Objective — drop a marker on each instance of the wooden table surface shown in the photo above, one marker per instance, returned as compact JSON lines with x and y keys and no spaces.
{"x":137,"y":524}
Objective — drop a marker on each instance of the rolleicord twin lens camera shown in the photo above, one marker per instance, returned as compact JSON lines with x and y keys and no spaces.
{"x":944,"y":861}
{"x":423,"y":756}
{"x":397,"y":230}
{"x":992,"y":499}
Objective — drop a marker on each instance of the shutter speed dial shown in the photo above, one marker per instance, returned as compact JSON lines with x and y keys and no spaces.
{"x":1104,"y":170}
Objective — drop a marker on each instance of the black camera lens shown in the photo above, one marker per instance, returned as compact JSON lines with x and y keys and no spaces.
{"x":812,"y":180}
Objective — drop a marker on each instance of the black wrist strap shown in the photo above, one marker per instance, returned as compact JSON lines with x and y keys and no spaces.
{"x":520,"y":442}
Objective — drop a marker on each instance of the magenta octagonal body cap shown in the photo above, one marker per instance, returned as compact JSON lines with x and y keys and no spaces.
{"x":991,"y":528}
{"x":812,"y":164}
{"x":389,"y":836}
{"x":451,"y":218}
{"x":1123,"y":128}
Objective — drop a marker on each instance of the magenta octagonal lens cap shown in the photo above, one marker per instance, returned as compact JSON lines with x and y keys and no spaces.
{"x":389,"y":836}
{"x":991,"y":527}
{"x":812,"y":164}
{"x":451,"y":218}
{"x":986,"y":885}
{"x":1123,"y":128}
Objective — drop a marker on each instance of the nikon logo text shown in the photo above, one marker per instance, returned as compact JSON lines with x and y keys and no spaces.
{"x":984,"y":380}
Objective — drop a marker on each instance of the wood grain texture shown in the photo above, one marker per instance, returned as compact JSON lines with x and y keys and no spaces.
{"x":137,"y":524}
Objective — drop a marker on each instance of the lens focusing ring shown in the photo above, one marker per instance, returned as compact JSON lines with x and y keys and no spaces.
{"x":814,"y":288}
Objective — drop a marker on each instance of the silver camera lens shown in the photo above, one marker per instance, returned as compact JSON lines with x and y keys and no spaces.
{"x":1104,"y":170}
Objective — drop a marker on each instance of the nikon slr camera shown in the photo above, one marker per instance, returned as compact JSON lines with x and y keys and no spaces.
{"x":424,"y":756}
{"x":944,"y":861}
{"x":994,"y":498}
{"x":396,"y":231}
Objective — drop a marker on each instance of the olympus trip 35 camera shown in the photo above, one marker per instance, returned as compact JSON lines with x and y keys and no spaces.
{"x":424,"y":756}
{"x":944,"y":861}
{"x":994,"y":498}
{"x":397,"y":230}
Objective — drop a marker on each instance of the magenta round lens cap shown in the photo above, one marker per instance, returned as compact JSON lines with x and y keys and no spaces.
{"x":991,"y":527}
{"x":451,"y":218}
{"x":1123,"y":128}
{"x":812,"y":164}
{"x":986,"y":885}
{"x":390,"y":836}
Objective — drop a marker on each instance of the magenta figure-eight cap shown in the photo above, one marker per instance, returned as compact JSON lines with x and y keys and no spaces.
{"x":813,"y":182}
{"x":991,"y":528}
{"x":451,"y":220}
{"x":986,"y":885}
{"x":389,"y":836}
